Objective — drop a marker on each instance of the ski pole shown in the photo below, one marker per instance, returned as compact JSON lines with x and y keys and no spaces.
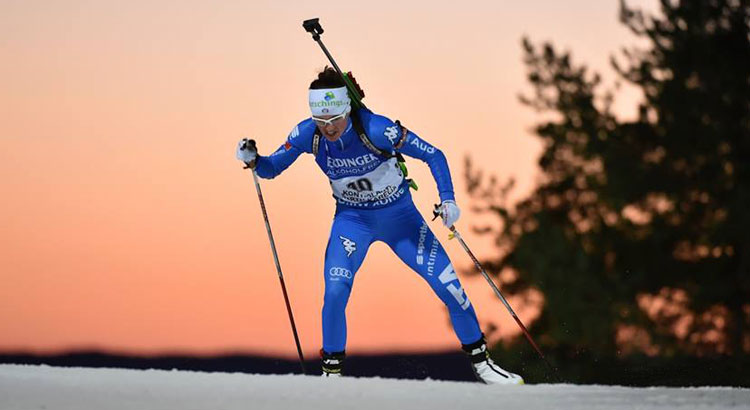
{"x":278,"y":268}
{"x":313,"y":27}
{"x":455,"y":234}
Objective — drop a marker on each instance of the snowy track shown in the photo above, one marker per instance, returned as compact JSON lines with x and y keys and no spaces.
{"x":43,"y":387}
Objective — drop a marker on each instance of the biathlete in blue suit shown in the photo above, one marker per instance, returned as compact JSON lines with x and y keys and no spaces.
{"x":359,"y":152}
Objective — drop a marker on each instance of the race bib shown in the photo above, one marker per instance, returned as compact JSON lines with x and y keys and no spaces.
{"x":379,"y":184}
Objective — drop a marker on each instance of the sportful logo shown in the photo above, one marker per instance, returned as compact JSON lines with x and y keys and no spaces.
{"x":420,"y":243}
{"x":329,"y":96}
{"x":349,"y":245}
{"x":337,"y":272}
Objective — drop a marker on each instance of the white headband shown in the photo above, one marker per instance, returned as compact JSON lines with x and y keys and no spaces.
{"x":329,"y":101}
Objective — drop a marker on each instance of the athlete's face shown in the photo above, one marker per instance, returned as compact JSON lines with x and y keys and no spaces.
{"x":333,"y":127}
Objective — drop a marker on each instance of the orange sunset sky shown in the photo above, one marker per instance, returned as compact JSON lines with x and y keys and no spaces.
{"x":127,"y":225}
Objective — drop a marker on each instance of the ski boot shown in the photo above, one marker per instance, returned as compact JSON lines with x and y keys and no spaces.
{"x":332,"y":363}
{"x":485,"y":369}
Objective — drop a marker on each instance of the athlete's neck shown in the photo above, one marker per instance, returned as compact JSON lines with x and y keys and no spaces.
{"x":346,"y":137}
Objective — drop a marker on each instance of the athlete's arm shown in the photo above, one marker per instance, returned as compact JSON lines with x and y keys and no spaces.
{"x":415,"y":147}
{"x":274,"y":164}
{"x":270,"y":166}
{"x":385,"y":134}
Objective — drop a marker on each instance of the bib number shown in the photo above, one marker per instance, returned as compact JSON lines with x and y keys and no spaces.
{"x":362,"y":184}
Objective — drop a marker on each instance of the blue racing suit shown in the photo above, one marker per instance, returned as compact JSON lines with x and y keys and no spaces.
{"x":374,"y":204}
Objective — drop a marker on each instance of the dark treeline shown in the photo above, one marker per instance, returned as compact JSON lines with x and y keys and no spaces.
{"x":437,"y":366}
{"x":641,"y":371}
{"x":638,"y":233}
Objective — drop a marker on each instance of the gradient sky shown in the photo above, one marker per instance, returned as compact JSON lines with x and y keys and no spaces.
{"x":126,"y":224}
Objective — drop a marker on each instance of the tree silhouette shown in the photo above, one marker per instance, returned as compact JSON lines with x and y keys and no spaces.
{"x":638,"y":234}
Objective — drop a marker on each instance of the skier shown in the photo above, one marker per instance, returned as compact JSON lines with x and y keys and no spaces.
{"x":360,"y":151}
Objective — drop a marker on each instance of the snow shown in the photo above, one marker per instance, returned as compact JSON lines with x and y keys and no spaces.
{"x":43,"y":387}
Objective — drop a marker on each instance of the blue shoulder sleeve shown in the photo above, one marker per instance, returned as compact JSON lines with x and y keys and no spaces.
{"x":298,"y":141}
{"x":387,"y":135}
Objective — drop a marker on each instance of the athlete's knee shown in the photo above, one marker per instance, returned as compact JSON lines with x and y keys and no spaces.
{"x":455,"y":298}
{"x":337,"y":293}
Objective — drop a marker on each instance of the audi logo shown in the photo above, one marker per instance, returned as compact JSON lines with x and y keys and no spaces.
{"x":342,"y":272}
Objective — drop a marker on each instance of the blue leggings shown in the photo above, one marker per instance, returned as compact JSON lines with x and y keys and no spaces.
{"x":402,"y":227}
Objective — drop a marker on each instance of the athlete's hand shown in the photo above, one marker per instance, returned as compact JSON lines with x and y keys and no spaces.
{"x":449,"y":212}
{"x":246,"y":151}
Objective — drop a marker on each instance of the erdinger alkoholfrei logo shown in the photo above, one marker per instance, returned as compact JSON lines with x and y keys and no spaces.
{"x":329,"y":96}
{"x":359,"y":161}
